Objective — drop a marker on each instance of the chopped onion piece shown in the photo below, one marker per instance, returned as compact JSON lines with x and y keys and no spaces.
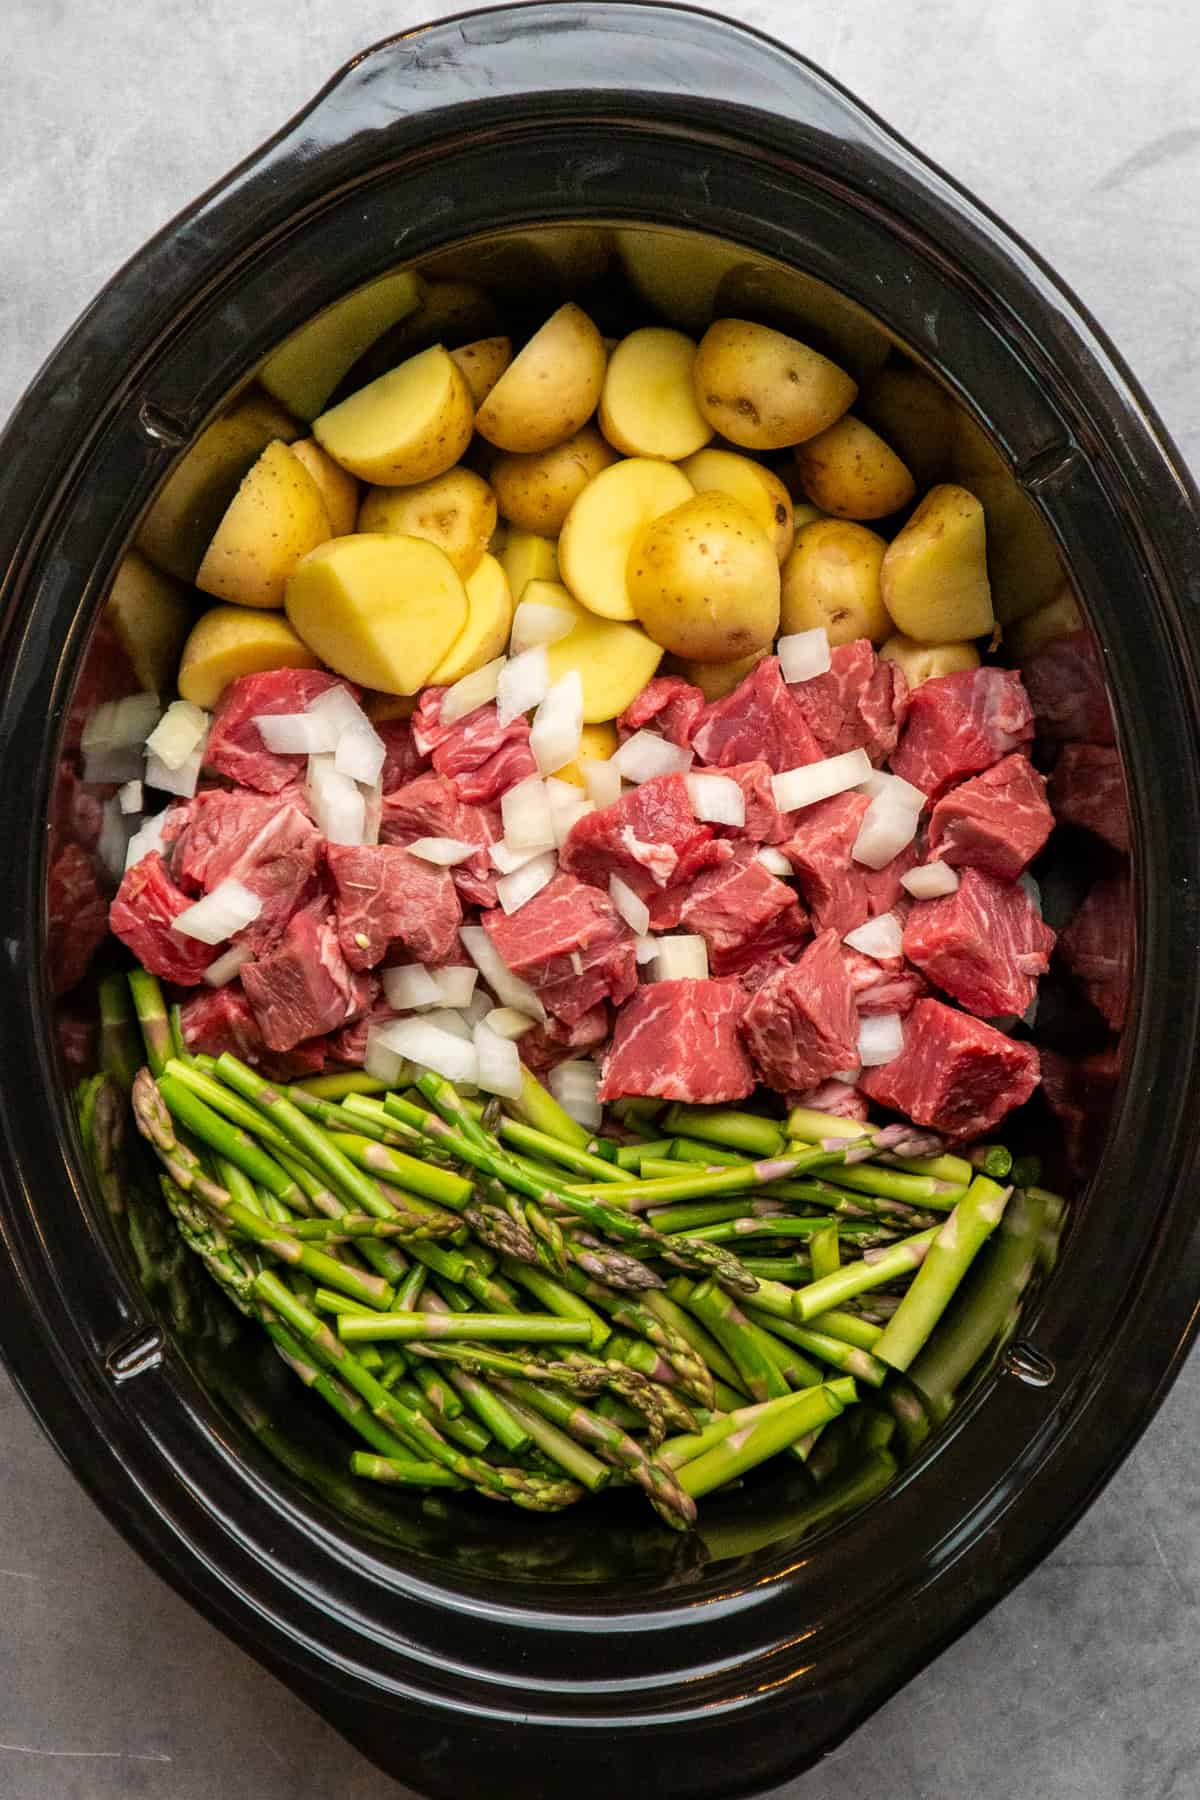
{"x":633,"y":910}
{"x":534,"y":624}
{"x":423,"y":1042}
{"x":881,"y":937}
{"x":499,"y":1064}
{"x":221,"y":973}
{"x":360,"y":754}
{"x":885,"y":831}
{"x":181,"y":781}
{"x":296,"y":734}
{"x":567,"y":807}
{"x":372,"y":811}
{"x":523,"y":684}
{"x":646,"y":948}
{"x":506,"y":859}
{"x":132,"y":797}
{"x":574,"y":1085}
{"x":880,"y":1039}
{"x":804,"y":654}
{"x":820,"y":780}
{"x":446,"y":852}
{"x":384,"y":1064}
{"x":340,"y":711}
{"x":455,"y":985}
{"x":557,"y":727}
{"x":410,"y":987}
{"x":120,"y":724}
{"x":177,"y":734}
{"x":774,"y":861}
{"x":515,"y":890}
{"x":149,"y":837}
{"x":930,"y":881}
{"x":645,"y":755}
{"x":113,"y":842}
{"x":895,"y":787}
{"x":337,"y":804}
{"x":448,"y":1018}
{"x":507,"y":987}
{"x":507,"y":1022}
{"x":525,"y":811}
{"x":230,"y":907}
{"x":478,"y":1006}
{"x":103,"y":766}
{"x":601,"y":779}
{"x":681,"y":958}
{"x":717,"y":799}
{"x":473,"y":691}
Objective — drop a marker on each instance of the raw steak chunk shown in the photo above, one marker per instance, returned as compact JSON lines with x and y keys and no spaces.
{"x":1096,"y":947}
{"x":678,"y":1040}
{"x":777,"y":943}
{"x":760,"y":719}
{"x":732,"y":906}
{"x":572,"y":946}
{"x":802,"y":1024}
{"x":954,"y":1074}
{"x":543,"y":1048}
{"x":384,"y":896}
{"x":146,"y":902}
{"x":77,"y":917}
{"x":883,"y":987}
{"x":860,"y":702}
{"x":985,"y":945}
{"x":822,"y":838}
{"x":261,"y":841}
{"x":430,"y":807}
{"x":484,"y":785}
{"x":650,"y":837}
{"x":960,"y":724}
{"x":403,"y":761}
{"x":235,"y":748}
{"x":666,"y":904}
{"x":764,"y":823}
{"x":1079,"y":1092}
{"x":1087,"y":789}
{"x":998,"y":821}
{"x":76,"y":811}
{"x":885,"y":889}
{"x":216,"y":1020}
{"x":837,"y":1097}
{"x":673,"y":706}
{"x":1066,"y":687}
{"x":481,"y":756}
{"x":304,"y":988}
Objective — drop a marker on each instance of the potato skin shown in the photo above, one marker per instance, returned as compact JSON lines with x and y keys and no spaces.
{"x":922,"y":662}
{"x":229,"y":641}
{"x":482,"y":364}
{"x":338,"y":489}
{"x":831,"y":579}
{"x":934,"y":577}
{"x":704,"y":580}
{"x":276,"y":517}
{"x":913,"y":414}
{"x":550,"y":389}
{"x":407,"y":426}
{"x":850,"y":473}
{"x":536,"y":492}
{"x":758,"y":489}
{"x":763,"y":390}
{"x":456,"y":511}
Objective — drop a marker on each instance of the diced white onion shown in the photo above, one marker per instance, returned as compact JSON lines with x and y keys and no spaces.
{"x":499,"y":1064}
{"x":113,"y":842}
{"x":574,"y":1085}
{"x":446,"y":852}
{"x":428,"y":1044}
{"x":646,"y":948}
{"x":372,"y":811}
{"x":102,"y":766}
{"x":567,"y":806}
{"x":410,"y":987}
{"x":448,"y":1018}
{"x":717,"y":799}
{"x":774,"y":860}
{"x":930,"y":881}
{"x":132,"y":797}
{"x":601,"y":779}
{"x":507,"y":1022}
{"x":340,"y":711}
{"x":523,"y":684}
{"x":633,"y":910}
{"x":147,"y":838}
{"x":229,"y":908}
{"x":120,"y":724}
{"x":880,"y":1039}
{"x":645,"y":755}
{"x":455,"y":985}
{"x":534,"y":624}
{"x":681,"y":958}
{"x":477,"y":689}
{"x":528,"y":820}
{"x":507,"y":987}
{"x":296,"y":734}
{"x":885,"y":831}
{"x":895,"y":787}
{"x":181,"y":781}
{"x":557,"y":728}
{"x":851,"y":1077}
{"x":337,"y":803}
{"x":516,"y":890}
{"x":360,"y":755}
{"x":804,"y":654}
{"x":178,"y":733}
{"x":881,"y":937}
{"x":503,"y":857}
{"x":221,"y":973}
{"x":384,"y":1064}
{"x":820,"y":780}
{"x":1032,"y":889}
{"x":477,"y":1007}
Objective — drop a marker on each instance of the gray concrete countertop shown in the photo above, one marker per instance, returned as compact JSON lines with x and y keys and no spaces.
{"x":1079,"y":122}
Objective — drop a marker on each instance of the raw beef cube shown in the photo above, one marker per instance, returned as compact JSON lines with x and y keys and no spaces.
{"x":430,"y":807}
{"x":802,"y":1024}
{"x":885,"y":887}
{"x":216,"y":1020}
{"x":954,"y":1074}
{"x":1079,"y":1092}
{"x":571,"y":944}
{"x":384,"y":896}
{"x":77,"y":917}
{"x":146,"y":902}
{"x":960,"y":724}
{"x":760,"y":719}
{"x":235,"y":747}
{"x":678,"y":1040}
{"x":543,"y":1048}
{"x":673,"y":706}
{"x":764,"y":823}
{"x":348,"y":1046}
{"x":841,"y":1098}
{"x":998,"y":821}
{"x":76,"y":811}
{"x":778,"y":943}
{"x":985,"y":945}
{"x":304,"y":988}
{"x":879,"y":987}
{"x":267,"y":845}
{"x":650,"y":837}
{"x":1066,"y":688}
{"x":484,"y":785}
{"x":666,"y":904}
{"x":731,"y":906}
{"x":1088,"y":789}
{"x":859,"y":703}
{"x":819,"y":850}
{"x":1096,"y":947}
{"x":402,"y":761}
{"x":765,"y":963}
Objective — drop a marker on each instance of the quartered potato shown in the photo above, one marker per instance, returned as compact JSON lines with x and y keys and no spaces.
{"x":304,"y":371}
{"x":528,"y":557}
{"x":764,"y":390}
{"x":380,"y":610}
{"x":759,"y":490}
{"x":915,"y":416}
{"x":276,"y":517}
{"x":536,"y":492}
{"x":489,"y":621}
{"x":831,"y":580}
{"x":614,"y":660}
{"x":456,"y":511}
{"x":230,"y":641}
{"x":482,"y":364}
{"x":150,"y":615}
{"x":934,"y":577}
{"x":338,"y":490}
{"x":922,"y":662}
{"x":850,"y":473}
{"x":676,"y":273}
{"x":550,"y":389}
{"x":599,"y":531}
{"x":411,"y":424}
{"x":704,"y":580}
{"x":648,"y":404}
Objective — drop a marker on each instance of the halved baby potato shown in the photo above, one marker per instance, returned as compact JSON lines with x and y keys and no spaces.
{"x":380,"y":610}
{"x":648,"y":404}
{"x":456,"y":511}
{"x":923,"y":662}
{"x":227,"y":642}
{"x":934,"y":577}
{"x":850,"y":473}
{"x":704,"y":580}
{"x":409,"y":425}
{"x":489,"y":621}
{"x":276,"y":517}
{"x":597,"y":743}
{"x":914,"y":415}
{"x":763,"y":390}
{"x":338,"y":489}
{"x":482,"y":364}
{"x":304,"y":371}
{"x":151,"y":616}
{"x":536,"y":492}
{"x":550,"y":389}
{"x":759,"y":490}
{"x":831,"y":580}
{"x":526,"y":557}
{"x":614,"y":660}
{"x":599,"y":531}
{"x":715,"y":680}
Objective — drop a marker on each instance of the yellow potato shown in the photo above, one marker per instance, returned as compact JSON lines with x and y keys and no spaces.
{"x":450,"y":313}
{"x":411,"y":424}
{"x":537,"y":492}
{"x":338,"y":490}
{"x":921,"y":662}
{"x":849,"y":472}
{"x":704,"y":580}
{"x":1059,"y":617}
{"x":489,"y":621}
{"x":915,"y":415}
{"x":550,"y":389}
{"x":380,"y":610}
{"x":1024,"y":566}
{"x":806,"y":309}
{"x":380,"y":708}
{"x":596,"y":744}
{"x":764,"y":390}
{"x":229,"y":641}
{"x":759,"y":490}
{"x":599,"y":530}
{"x":934,"y":578}
{"x":715,"y":680}
{"x":304,"y":371}
{"x":580,"y":253}
{"x":482,"y":364}
{"x":276,"y":517}
{"x":831,"y":580}
{"x":676,"y":272}
{"x":527,"y":557}
{"x":456,"y":511}
{"x":151,"y":616}
{"x":648,"y":404}
{"x":614,"y":660}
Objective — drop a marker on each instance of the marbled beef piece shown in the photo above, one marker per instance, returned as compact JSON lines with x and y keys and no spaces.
{"x":764,"y":823}
{"x":742,"y":912}
{"x":954,"y":1074}
{"x":304,"y":988}
{"x":235,"y":748}
{"x":997,"y":821}
{"x":860,"y":703}
{"x":146,"y":904}
{"x":985,"y":944}
{"x":261,"y":840}
{"x":1097,"y":947}
{"x":759,"y":720}
{"x":1066,"y":688}
{"x":668,"y":705}
{"x":77,"y":916}
{"x":678,"y":1040}
{"x":959,"y":724}
{"x":819,"y":849}
{"x":214,"y":1020}
{"x":571,"y":944}
{"x":802,"y":1024}
{"x":1088,"y":789}
{"x":650,"y":837}
{"x":431,"y":807}
{"x":386,"y":898}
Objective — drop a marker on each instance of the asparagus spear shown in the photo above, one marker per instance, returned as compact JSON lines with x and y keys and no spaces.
{"x":497,"y":1328}
{"x":765,"y":1437}
{"x":403,"y":1471}
{"x":721,"y":1125}
{"x":151,"y":1009}
{"x":875,"y":1268}
{"x":120,"y":1044}
{"x":949,"y":1257}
